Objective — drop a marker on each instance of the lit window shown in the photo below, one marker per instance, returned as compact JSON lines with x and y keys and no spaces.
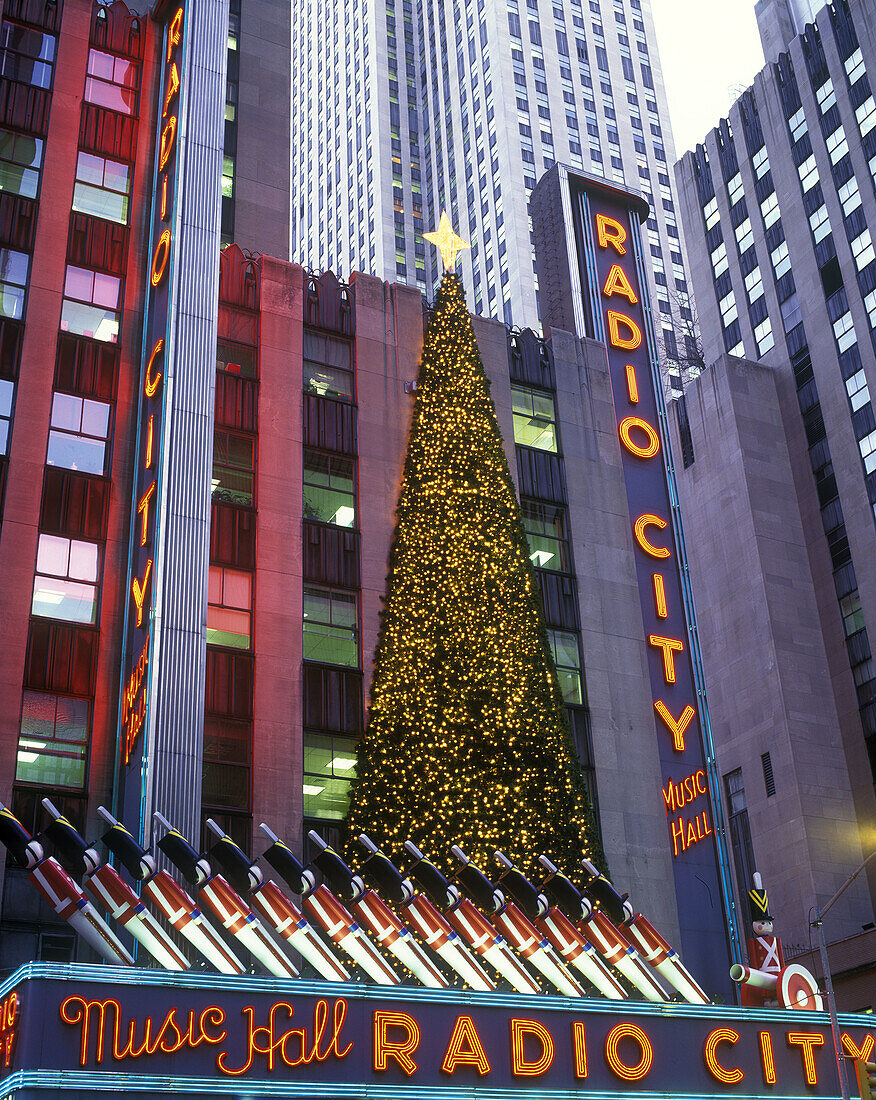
{"x":870,"y":306}
{"x":20,"y":158}
{"x":13,"y":282}
{"x":78,"y":435}
{"x":328,"y":366}
{"x":780,"y":259}
{"x":734,"y":189}
{"x":564,"y":648}
{"x":91,"y":304}
{"x":728,"y":309}
{"x":867,"y":447}
{"x":769,"y":209}
{"x":65,"y":586}
{"x":111,"y":82}
{"x":102,"y":188}
{"x":229,"y":607}
{"x":819,"y":223}
{"x":760,"y":162}
{"x":866,"y":116}
{"x":854,"y":66}
{"x":844,"y":331}
{"x":7,"y":393}
{"x":837,"y":146}
{"x":331,"y":621}
{"x":719,"y":260}
{"x":754,"y":285}
{"x":233,"y":467}
{"x":862,"y":249}
{"x":825,"y":96}
{"x":545,"y":527}
{"x":808,"y":173}
{"x":744,"y":235}
{"x":236,"y":359}
{"x":853,"y":615}
{"x":534,"y":418}
{"x":763,"y":334}
{"x":850,"y":196}
{"x":858,"y":391}
{"x":329,"y":769}
{"x":26,"y":55}
{"x":797,"y":125}
{"x":53,"y":740}
{"x":227,"y":177}
{"x":711,"y":216}
{"x":329,"y":490}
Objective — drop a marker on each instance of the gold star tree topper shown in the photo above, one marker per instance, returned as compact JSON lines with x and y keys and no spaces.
{"x":446,"y":241}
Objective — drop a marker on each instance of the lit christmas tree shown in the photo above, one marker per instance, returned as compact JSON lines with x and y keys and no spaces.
{"x":467,"y":739}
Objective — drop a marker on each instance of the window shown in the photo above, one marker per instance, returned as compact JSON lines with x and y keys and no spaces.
{"x":850,"y":196}
{"x":331,"y":622}
{"x":78,"y":435}
{"x":763,"y":334}
{"x":734,"y":189}
{"x":780,"y":259}
{"x":13,"y":282}
{"x":329,"y":769}
{"x":858,"y":391}
{"x":769,"y":782}
{"x":65,"y":585}
{"x":853,"y":616}
{"x":329,"y":489}
{"x":808,"y":173}
{"x":769,"y":209}
{"x":328,"y":366}
{"x":837,"y":146}
{"x":797,"y":125}
{"x":7,"y":393}
{"x":26,"y":55}
{"x":862,"y":250}
{"x":102,"y":188}
{"x":740,"y":831}
{"x":534,"y":418}
{"x":236,"y":359}
{"x":545,"y":527}
{"x":719,"y":260}
{"x":564,"y":647}
{"x":754,"y":285}
{"x":233,"y":467}
{"x":53,"y":740}
{"x":844,"y":331}
{"x":229,"y":607}
{"x":20,"y":159}
{"x":744,"y":235}
{"x":826,"y":96}
{"x":111,"y":82}
{"x":227,"y":763}
{"x":727,"y":306}
{"x":91,"y":303}
{"x":854,"y":66}
{"x":760,"y":162}
{"x":866,"y":116}
{"x":867,"y":447}
{"x":819,"y":223}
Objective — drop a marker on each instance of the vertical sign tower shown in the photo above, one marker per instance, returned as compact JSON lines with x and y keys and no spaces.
{"x":592,"y":279}
{"x":161,"y":705}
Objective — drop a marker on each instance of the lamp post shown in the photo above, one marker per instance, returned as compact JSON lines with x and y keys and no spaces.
{"x":828,"y":981}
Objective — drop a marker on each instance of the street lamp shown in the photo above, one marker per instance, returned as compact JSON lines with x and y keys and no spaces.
{"x":828,"y":981}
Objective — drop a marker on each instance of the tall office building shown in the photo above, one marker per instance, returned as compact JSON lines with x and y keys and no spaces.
{"x":778,"y":203}
{"x":402,"y":108}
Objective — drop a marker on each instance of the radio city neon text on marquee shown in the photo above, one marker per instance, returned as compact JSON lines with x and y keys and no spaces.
{"x":642,"y":440}
{"x":134,"y":693}
{"x":9,"y":1012}
{"x":277,"y":1037}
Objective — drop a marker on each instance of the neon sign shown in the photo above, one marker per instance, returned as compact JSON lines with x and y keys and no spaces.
{"x":9,"y":1011}
{"x":140,"y":641}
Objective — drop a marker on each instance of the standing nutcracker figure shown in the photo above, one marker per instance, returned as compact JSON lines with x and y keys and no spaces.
{"x":764,"y":949}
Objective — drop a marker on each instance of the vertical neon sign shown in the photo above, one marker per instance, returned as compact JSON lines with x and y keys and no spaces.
{"x":139,"y":649}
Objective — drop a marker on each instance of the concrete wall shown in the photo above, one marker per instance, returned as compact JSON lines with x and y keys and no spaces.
{"x":763,"y":648}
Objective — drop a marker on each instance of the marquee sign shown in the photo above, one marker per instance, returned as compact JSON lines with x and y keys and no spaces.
{"x":86,"y":1026}
{"x":595,"y":283}
{"x":144,"y":554}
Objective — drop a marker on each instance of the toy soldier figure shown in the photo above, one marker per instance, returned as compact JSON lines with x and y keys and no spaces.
{"x":764,"y":949}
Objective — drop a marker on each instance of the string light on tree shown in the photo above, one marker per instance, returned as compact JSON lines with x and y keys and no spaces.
{"x":467,"y":739}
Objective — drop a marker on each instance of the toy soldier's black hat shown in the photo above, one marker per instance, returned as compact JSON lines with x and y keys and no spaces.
{"x":759,"y":905}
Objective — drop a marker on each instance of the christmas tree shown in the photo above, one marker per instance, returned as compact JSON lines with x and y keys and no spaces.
{"x":467,"y":739}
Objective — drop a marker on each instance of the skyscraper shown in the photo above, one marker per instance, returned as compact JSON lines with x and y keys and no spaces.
{"x":401,"y":108}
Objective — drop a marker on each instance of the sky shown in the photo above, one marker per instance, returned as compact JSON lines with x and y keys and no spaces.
{"x":710,"y":50}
